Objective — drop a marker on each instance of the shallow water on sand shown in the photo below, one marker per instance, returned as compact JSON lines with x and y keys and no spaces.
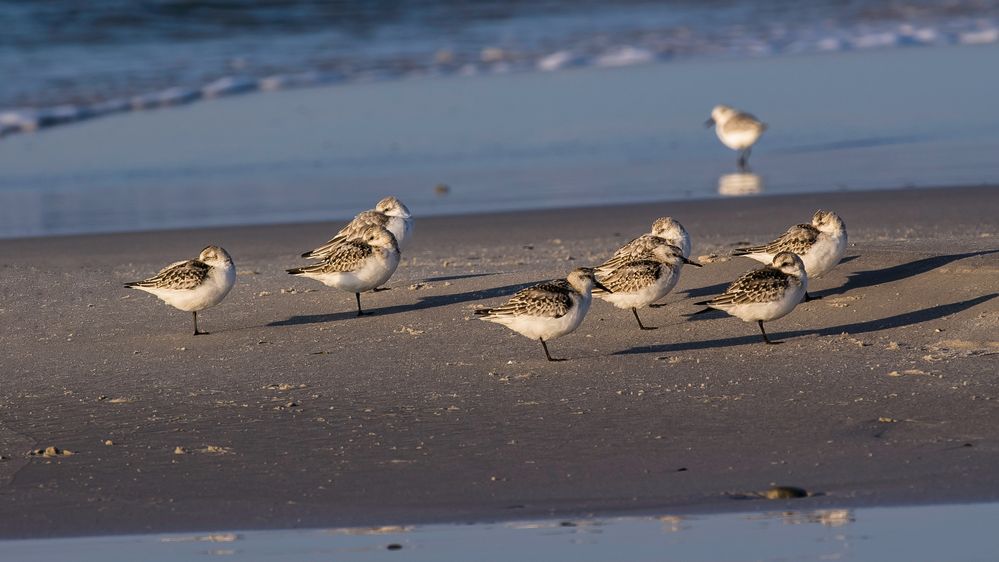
{"x":927,"y":533}
{"x":849,"y":121}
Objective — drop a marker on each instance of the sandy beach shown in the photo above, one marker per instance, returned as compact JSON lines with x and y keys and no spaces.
{"x":293,"y":413}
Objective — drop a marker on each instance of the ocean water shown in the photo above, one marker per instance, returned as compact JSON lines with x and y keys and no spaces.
{"x":62,"y":61}
{"x":510,"y":105}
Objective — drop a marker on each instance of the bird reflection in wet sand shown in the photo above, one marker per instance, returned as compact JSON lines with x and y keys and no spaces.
{"x":740,"y":184}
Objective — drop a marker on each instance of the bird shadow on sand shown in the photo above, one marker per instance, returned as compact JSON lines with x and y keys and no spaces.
{"x":872,"y":277}
{"x":752,"y":337}
{"x":421,"y":304}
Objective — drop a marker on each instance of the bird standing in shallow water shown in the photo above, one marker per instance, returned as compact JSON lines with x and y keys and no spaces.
{"x":821,"y":244}
{"x":193,"y":285}
{"x":638,"y":282}
{"x":764,"y":294}
{"x":548,"y":310}
{"x":358,"y":264}
{"x":737,"y":130}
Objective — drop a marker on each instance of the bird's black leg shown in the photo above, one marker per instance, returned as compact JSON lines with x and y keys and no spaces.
{"x":548,"y":355}
{"x":764,"y":332}
{"x":640,"y":325}
{"x":744,"y":160}
{"x":196,"y":331}
{"x":359,"y":311}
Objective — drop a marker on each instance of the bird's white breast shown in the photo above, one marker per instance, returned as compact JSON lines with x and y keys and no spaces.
{"x":209,"y":293}
{"x":548,"y":328}
{"x":827,"y":251}
{"x":739,"y":139}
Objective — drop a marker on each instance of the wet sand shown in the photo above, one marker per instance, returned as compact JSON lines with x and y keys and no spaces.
{"x":293,"y":413}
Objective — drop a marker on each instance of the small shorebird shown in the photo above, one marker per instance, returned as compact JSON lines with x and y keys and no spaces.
{"x":548,"y":310}
{"x":638,"y":282}
{"x":764,"y":294}
{"x":389,"y":213}
{"x":193,"y":285}
{"x":357,"y":264}
{"x":737,"y":130}
{"x":821,"y":244}
{"x":666,"y":230}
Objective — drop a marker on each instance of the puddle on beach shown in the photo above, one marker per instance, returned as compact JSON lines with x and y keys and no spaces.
{"x":930,"y":533}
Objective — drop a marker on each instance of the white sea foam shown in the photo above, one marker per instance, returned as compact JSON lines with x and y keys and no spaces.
{"x":228,"y":86}
{"x":624,"y":56}
{"x":556,"y":61}
{"x":979,"y":37}
{"x":877,"y":39}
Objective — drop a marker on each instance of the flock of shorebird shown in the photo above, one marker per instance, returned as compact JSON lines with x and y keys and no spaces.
{"x":364,"y":255}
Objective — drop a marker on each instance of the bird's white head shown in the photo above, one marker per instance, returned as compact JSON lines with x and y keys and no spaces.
{"x":789,"y":263}
{"x":215,"y":256}
{"x":828,"y":222}
{"x":670,"y":229}
{"x":378,"y":236}
{"x":668,"y":253}
{"x":720,"y":114}
{"x":392,"y":207}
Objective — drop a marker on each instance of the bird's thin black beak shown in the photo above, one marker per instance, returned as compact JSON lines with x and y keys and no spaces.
{"x":601,"y":286}
{"x":691,"y":262}
{"x":710,"y":122}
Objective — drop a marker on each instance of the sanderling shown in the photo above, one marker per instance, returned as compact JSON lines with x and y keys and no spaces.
{"x":764,"y":294}
{"x":821,"y":244}
{"x":193,"y":285}
{"x":389,"y":213}
{"x":357,"y":264}
{"x":636,"y":283}
{"x":736,"y":130}
{"x":548,"y":310}
{"x":665,"y":230}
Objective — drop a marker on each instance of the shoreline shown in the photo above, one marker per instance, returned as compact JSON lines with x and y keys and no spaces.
{"x":500,"y":214}
{"x":294,"y":415}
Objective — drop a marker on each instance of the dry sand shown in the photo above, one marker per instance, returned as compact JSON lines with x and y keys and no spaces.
{"x":294,"y":413}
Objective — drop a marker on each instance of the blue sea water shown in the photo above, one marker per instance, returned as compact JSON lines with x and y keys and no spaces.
{"x":512,"y":105}
{"x":62,"y":61}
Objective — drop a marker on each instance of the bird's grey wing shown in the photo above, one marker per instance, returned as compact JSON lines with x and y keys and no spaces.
{"x":639,"y":246}
{"x":177,"y":276}
{"x":798,"y":239}
{"x":637,"y":249}
{"x":550,"y":300}
{"x":348,"y":232}
{"x":743,"y":122}
{"x":758,"y":286}
{"x":631,"y":276}
{"x":348,"y":255}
